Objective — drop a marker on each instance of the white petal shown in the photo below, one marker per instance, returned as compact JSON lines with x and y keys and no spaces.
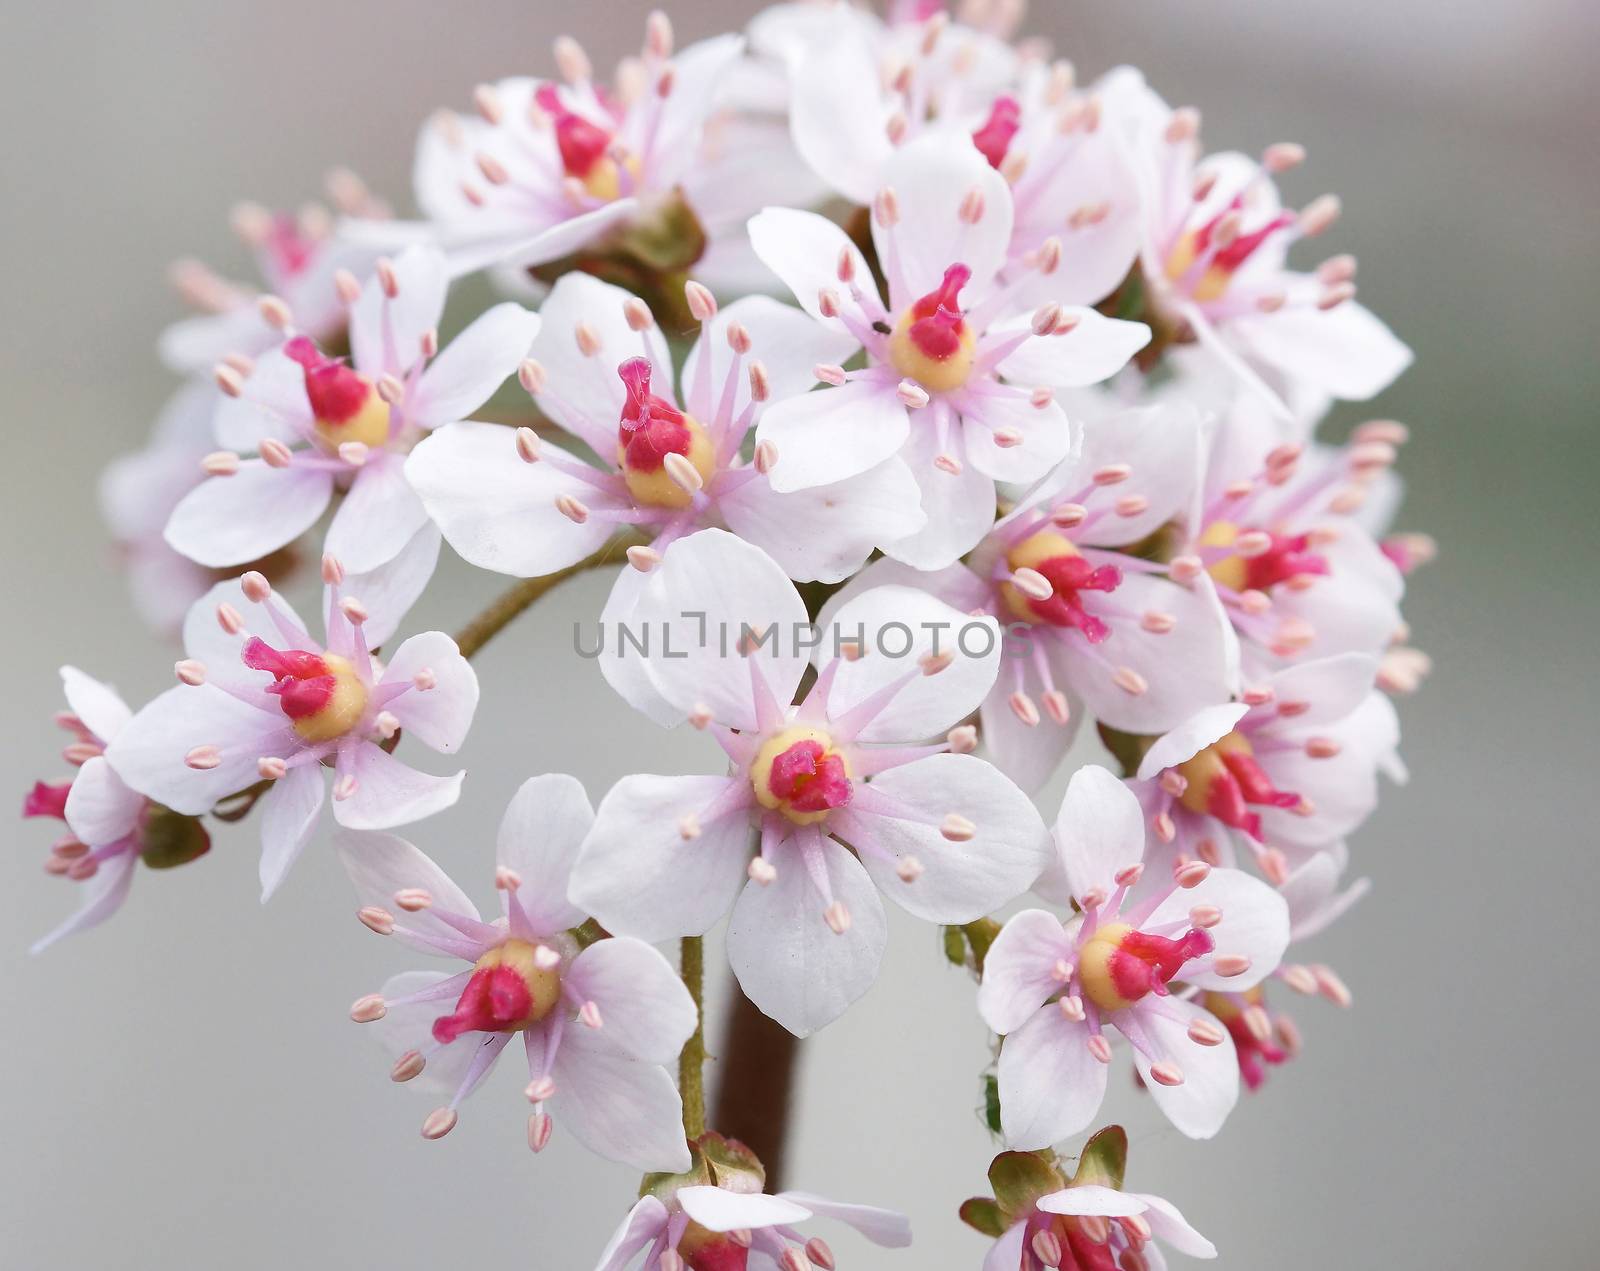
{"x":409,"y":1026}
{"x":517,"y":251}
{"x":624,"y":1110}
{"x":1210,"y":1086}
{"x":98,"y":705}
{"x":961,"y":881}
{"x":222,"y":652}
{"x":273,"y":404}
{"x":1046,"y":435}
{"x":1190,"y":737}
{"x":645,"y":1221}
{"x":1345,"y":351}
{"x":497,"y":511}
{"x":1050,"y":1085}
{"x":1092,"y":350}
{"x":1255,"y":923}
{"x":1019,"y":969}
{"x":382,"y":865}
{"x":637,"y":873}
{"x":289,"y":813}
{"x":386,"y":334}
{"x":623,"y":666}
{"x":1090,"y":1199}
{"x":101,"y":895}
{"x":1028,"y":754}
{"x":883,"y":1227}
{"x":1099,"y":831}
{"x":960,"y":507}
{"x":786,"y":341}
{"x":540,"y":836}
{"x":100,"y":807}
{"x":1170,"y":1226}
{"x":717,"y":1209}
{"x":438,"y":717}
{"x":711,"y":591}
{"x":1327,"y":690}
{"x":1006,"y":1253}
{"x":468,"y":370}
{"x":388,"y":592}
{"x":833,"y":433}
{"x":390,"y":792}
{"x":1163,"y":445}
{"x":379,"y":515}
{"x":803,"y":249}
{"x":644,"y":1008}
{"x":933,"y":177}
{"x":149,"y":752}
{"x":838,"y":116}
{"x":789,"y":962}
{"x":231,"y":520}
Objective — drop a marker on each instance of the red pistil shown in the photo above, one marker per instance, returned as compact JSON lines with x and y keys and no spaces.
{"x":1254,"y":1054}
{"x":810,"y":778}
{"x":496,"y":998}
{"x":582,"y":142}
{"x":336,"y":393}
{"x":937,"y":324}
{"x":1081,"y":1253}
{"x":1244,"y":783}
{"x":1069,"y":575}
{"x":994,"y":138}
{"x":1287,"y":557}
{"x":47,"y":800}
{"x":289,"y":249}
{"x":1142,"y":963}
{"x":651,"y":427}
{"x":719,"y":1253}
{"x":303,"y":682}
{"x":1230,"y":258}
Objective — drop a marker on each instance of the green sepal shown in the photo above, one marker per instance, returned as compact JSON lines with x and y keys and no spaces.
{"x":168,"y":839}
{"x":1104,"y":1159}
{"x":589,"y":932}
{"x":1019,"y":1179}
{"x":983,"y":1216}
{"x":955,"y":946}
{"x":1128,"y":749}
{"x":734,"y":1167}
{"x":991,"y":1103}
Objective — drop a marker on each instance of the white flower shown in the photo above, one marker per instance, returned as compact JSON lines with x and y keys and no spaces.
{"x":1088,"y":1225}
{"x":598,"y":1022}
{"x":846,"y":800}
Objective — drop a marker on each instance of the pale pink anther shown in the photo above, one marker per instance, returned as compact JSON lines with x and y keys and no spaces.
{"x":828,"y":302}
{"x":1166,"y":1073}
{"x":760,"y":390}
{"x":912,"y":394}
{"x":1048,"y":259}
{"x":345,"y":787}
{"x":1132,"y":505}
{"x":1093,"y":898}
{"x":829,"y":373}
{"x":1164,"y":827}
{"x":69,"y":849}
{"x":589,"y":1015}
{"x":1174,"y":783}
{"x":1208,"y":851}
{"x":190,"y":671}
{"x":274,"y":312}
{"x":1229,"y":965}
{"x":1191,"y":874}
{"x":1095,"y":1227}
{"x":1062,"y":971}
{"x":1255,"y":602}
{"x":354,"y":610}
{"x":1288,"y":1035}
{"x":1111,"y":474}
{"x":933,"y":663}
{"x":1348,"y":500}
{"x":1283,"y":155}
{"x":766,"y":457}
{"x":1274,"y":866}
{"x":390,"y":387}
{"x":1130,"y":681}
{"x":506,"y":878}
{"x":1205,"y":916}
{"x":203,"y":758}
{"x":1336,"y":295}
{"x":346,"y":286}
{"x":957,"y":828}
{"x":368,"y":1009}
{"x":683,"y":473}
{"x":540,"y":1128}
{"x":643,"y":558}
{"x":700,"y":717}
{"x":79,"y":753}
{"x":1202,"y":1032}
{"x":1258,"y":1023}
{"x":1331,"y":986}
{"x":386,"y":724}
{"x":1072,"y":1008}
{"x":532,"y":375}
{"x":1185,"y":569}
{"x":1046,"y":1246}
{"x":688,"y":827}
{"x":948,"y":463}
{"x":1045,"y":318}
{"x":702,"y":304}
{"x":1099,"y":1047}
{"x":527,"y":442}
{"x":573,"y":509}
{"x":1032,"y":584}
{"x":1007,"y":437}
{"x":1137,"y":1228}
{"x":1130,"y":876}
{"x":1300,"y":979}
{"x":1022,"y":706}
{"x":540,"y":1089}
{"x":387,"y":278}
{"x":962,"y":739}
{"x":439,"y":1123}
{"x":793,"y":1259}
{"x":83,"y":869}
{"x":228,"y":380}
{"x":886,"y":207}
{"x":376,"y":919}
{"x":908,"y":869}
{"x":637,"y":314}
{"x":272,"y":768}
{"x":275,"y":453}
{"x":1319,"y":214}
{"x":1253,"y":543}
{"x":587,"y":338}
{"x":761,"y":871}
{"x":494,"y":172}
{"x":1256,"y":694}
{"x":229,"y":618}
{"x":1057,"y":707}
{"x":220,"y":463}
{"x":819,"y":1253}
{"x":413,"y":899}
{"x":546,"y":958}
{"x":406,"y":1067}
{"x":1068,"y":515}
{"x":1388,"y":431}
{"x":837,"y":916}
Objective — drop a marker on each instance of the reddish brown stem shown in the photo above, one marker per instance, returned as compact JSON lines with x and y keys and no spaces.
{"x":755,"y":1085}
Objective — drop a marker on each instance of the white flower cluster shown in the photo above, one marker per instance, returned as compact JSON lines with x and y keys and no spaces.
{"x":998,"y":417}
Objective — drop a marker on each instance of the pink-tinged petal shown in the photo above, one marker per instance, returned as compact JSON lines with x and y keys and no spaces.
{"x":956,"y":585}
{"x":625,"y":1110}
{"x":638,"y":874}
{"x":198,"y":343}
{"x":644,"y":1008}
{"x":227,"y":521}
{"x":963,"y":880}
{"x":1051,"y":1087}
{"x":222,"y":652}
{"x":701,"y":71}
{"x":408,"y":1026}
{"x":438,"y":717}
{"x":717,"y":1209}
{"x":101,"y":895}
{"x":388,"y":592}
{"x":539,"y":840}
{"x":1313,"y":896}
{"x":381,"y":866}
{"x":1046,"y":435}
{"x":1345,"y":611}
{"x":497,"y":511}
{"x":803,"y":249}
{"x":1325,"y":691}
{"x":390,"y":792}
{"x":787,"y":342}
{"x":1255,"y":924}
{"x":1170,"y":1226}
{"x":825,"y":533}
{"x":97,"y":704}
{"x":623,"y":666}
{"x":1006,"y":1253}
{"x":1201,"y":1103}
{"x":1099,"y":831}
{"x":1028,"y":754}
{"x":934,"y":179}
{"x":645,"y":1221}
{"x":585,"y":394}
{"x":884,"y":1227}
{"x":289,"y":813}
{"x":100,"y":807}
{"x":473,"y":365}
{"x":1091,"y":1200}
{"x":789,"y":962}
{"x":1190,"y":737}
{"x":138,"y":490}
{"x":1342,"y":789}
{"x":1019,"y":970}
{"x":524,"y":251}
{"x":1183,"y":671}
{"x":833,"y":433}
{"x":1092,"y":349}
{"x":712,"y":592}
{"x":1163,"y":445}
{"x":149,"y":752}
{"x":273,"y":404}
{"x":960,"y":506}
{"x":386,"y":333}
{"x":925,"y":706}
{"x":837,"y":116}
{"x":1346,"y":352}
{"x":379,"y":515}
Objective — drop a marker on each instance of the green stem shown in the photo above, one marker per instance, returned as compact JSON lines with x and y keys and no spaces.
{"x":692,"y":1059}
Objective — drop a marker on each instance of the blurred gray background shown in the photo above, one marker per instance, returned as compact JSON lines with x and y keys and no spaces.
{"x":183,"y":1088}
